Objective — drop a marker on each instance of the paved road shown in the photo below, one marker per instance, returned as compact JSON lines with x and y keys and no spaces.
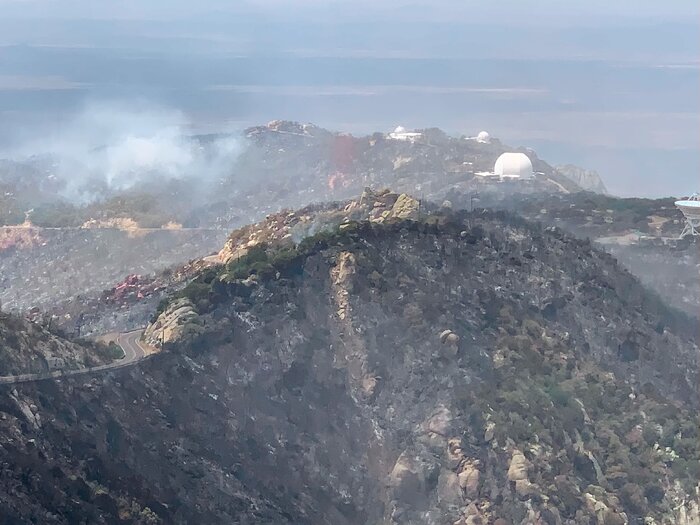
{"x":130,"y":343}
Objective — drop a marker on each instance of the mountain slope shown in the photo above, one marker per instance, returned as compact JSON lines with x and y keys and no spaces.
{"x":29,"y":348}
{"x":640,"y":233}
{"x":281,"y":165}
{"x":473,"y":369}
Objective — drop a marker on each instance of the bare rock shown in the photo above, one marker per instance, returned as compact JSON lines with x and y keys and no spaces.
{"x":405,"y":478}
{"x":469,"y":480}
{"x":179,"y":320}
{"x":448,"y":489}
{"x":405,"y":207}
{"x":519,"y":466}
{"x":440,"y":423}
{"x":454,"y":457}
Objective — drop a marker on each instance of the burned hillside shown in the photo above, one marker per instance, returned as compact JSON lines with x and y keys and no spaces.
{"x":54,"y":248}
{"x":39,"y":267}
{"x":641,"y":233}
{"x":31,"y":347}
{"x":281,"y":164}
{"x":463,"y":368}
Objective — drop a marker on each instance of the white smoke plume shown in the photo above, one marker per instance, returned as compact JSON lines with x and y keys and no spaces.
{"x":114,"y":147}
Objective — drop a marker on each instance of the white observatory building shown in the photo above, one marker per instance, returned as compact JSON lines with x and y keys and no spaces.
{"x":483,"y":137}
{"x":401,"y":133}
{"x":511,"y":166}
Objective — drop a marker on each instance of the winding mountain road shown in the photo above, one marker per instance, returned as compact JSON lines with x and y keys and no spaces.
{"x":130,"y":343}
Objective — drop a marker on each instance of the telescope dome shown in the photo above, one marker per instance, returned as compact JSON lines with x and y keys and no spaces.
{"x":513,"y":165}
{"x":483,"y":137}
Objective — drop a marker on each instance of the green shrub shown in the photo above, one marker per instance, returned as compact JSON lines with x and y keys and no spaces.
{"x":195,"y":292}
{"x":559,"y":397}
{"x":114,"y":351}
{"x":288,"y":261}
{"x":208,"y":275}
{"x":57,"y":215}
{"x":110,"y":352}
{"x":10,"y":212}
{"x":654,"y":493}
{"x":317,"y":242}
{"x":162,"y":307}
{"x":633,"y":498}
{"x":240,"y":268}
{"x":262,"y":269}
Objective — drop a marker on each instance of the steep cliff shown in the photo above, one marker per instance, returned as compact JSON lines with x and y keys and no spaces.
{"x":588,"y":180}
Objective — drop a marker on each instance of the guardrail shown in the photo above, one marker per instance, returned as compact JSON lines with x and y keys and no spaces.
{"x":58,"y":374}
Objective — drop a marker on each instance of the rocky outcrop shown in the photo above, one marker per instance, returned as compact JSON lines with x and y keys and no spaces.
{"x":30,"y":348}
{"x":450,"y":340}
{"x":518,"y":473}
{"x":405,"y":207}
{"x":288,"y":228}
{"x":180,"y":320}
{"x":588,"y":180}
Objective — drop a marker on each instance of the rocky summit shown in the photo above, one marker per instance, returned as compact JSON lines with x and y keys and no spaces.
{"x":459,"y":368}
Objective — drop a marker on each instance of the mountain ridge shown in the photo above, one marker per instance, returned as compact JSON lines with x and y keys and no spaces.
{"x":414,"y":371}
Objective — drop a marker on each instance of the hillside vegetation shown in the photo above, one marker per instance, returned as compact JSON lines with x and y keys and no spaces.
{"x":464,"y":368}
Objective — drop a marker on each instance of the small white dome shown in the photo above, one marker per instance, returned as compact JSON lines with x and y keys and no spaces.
{"x":515,"y":165}
{"x":400,"y":129}
{"x":483,"y":137}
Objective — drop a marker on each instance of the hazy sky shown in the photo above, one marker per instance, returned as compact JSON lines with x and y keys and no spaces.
{"x":66,"y":22}
{"x":165,"y":9}
{"x":609,"y":85}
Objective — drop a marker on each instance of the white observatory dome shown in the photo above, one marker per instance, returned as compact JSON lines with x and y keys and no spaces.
{"x":483,"y":137}
{"x":399,"y":130}
{"x":513,"y":165}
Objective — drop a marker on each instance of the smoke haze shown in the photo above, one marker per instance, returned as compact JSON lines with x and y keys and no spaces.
{"x":612,"y":87}
{"x":111,"y":147}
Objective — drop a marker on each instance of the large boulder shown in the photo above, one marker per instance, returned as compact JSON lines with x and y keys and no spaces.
{"x":519,"y":466}
{"x":518,"y":474}
{"x":405,"y":207}
{"x":179,"y":321}
{"x":469,"y":480}
{"x":406,"y":478}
